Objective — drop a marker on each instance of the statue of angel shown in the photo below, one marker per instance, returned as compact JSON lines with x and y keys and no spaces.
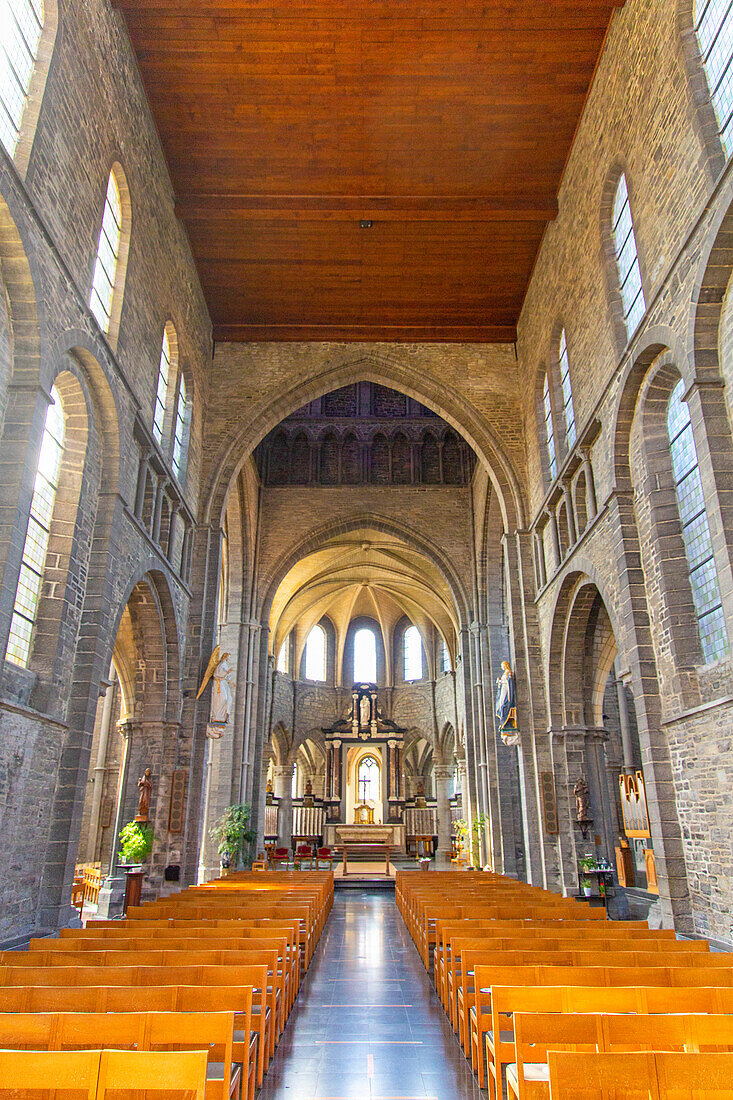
{"x":219,"y":670}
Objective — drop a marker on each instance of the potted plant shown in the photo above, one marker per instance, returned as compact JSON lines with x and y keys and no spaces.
{"x":587,"y":863}
{"x":478,"y":829}
{"x":231,"y":834}
{"x":136,"y":844}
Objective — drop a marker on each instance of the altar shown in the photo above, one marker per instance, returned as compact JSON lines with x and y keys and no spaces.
{"x":364,"y":788}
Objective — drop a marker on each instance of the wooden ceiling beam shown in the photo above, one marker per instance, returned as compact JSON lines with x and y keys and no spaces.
{"x":402,"y":208}
{"x":436,"y":333}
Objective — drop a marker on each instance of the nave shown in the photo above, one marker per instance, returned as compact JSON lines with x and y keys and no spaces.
{"x":368,"y":1023}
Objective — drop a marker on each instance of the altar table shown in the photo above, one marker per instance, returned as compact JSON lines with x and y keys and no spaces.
{"x":360,"y":846}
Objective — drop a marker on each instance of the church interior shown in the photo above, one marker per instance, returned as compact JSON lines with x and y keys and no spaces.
{"x":366,"y":568}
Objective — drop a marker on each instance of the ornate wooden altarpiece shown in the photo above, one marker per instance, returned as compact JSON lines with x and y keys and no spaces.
{"x":364,"y":723}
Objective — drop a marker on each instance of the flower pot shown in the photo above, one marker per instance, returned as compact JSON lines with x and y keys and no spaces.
{"x":587,"y":890}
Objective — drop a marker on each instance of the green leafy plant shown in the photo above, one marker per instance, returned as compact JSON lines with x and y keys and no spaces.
{"x":587,"y":862}
{"x":586,"y":882}
{"x":231,"y":833}
{"x":478,"y":831}
{"x":136,"y":841}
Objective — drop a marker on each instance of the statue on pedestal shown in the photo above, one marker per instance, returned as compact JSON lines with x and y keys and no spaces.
{"x":145,"y":786}
{"x":506,"y":705}
{"x":365,"y":710}
{"x":582,"y":800}
{"x":219,"y":670}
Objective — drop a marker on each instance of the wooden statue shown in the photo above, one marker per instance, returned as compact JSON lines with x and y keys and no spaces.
{"x":145,"y":786}
{"x":582,"y":800}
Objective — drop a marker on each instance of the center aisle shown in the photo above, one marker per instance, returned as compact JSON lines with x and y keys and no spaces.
{"x":367,"y":1023}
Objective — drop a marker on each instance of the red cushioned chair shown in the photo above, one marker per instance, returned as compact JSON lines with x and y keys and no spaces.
{"x":303,"y":852}
{"x":324,"y":855}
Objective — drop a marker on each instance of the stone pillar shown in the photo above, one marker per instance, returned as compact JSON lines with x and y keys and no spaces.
{"x":443,"y":774}
{"x":282,"y":785}
{"x":625,"y":723}
{"x":100,"y":767}
{"x":590,"y":488}
{"x":555,"y":534}
{"x":112,"y":893}
{"x":570,"y":510}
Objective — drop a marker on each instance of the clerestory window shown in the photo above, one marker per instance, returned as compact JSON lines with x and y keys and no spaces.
{"x":21,"y":27}
{"x":627,"y":259}
{"x":567,"y":391}
{"x":714,"y":30}
{"x":315,"y":654}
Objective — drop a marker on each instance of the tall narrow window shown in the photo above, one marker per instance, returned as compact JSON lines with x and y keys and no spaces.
{"x":412,"y":652}
{"x":37,"y":535}
{"x":627,"y":258}
{"x":179,"y":431}
{"x":695,"y":528}
{"x":367,"y":782}
{"x":567,"y":392}
{"x":108,"y":254}
{"x":714,"y":29}
{"x":315,"y":654}
{"x":161,"y":390}
{"x":549,"y":430}
{"x":365,"y":656}
{"x":283,"y":657}
{"x":21,"y":26}
{"x":445,"y":656}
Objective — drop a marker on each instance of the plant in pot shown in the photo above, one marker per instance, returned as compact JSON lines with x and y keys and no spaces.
{"x":586,"y":863}
{"x":136,"y":843}
{"x":478,"y":828}
{"x":232,"y":834}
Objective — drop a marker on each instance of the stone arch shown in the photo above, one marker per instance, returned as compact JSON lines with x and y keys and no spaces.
{"x":439,"y":398}
{"x":704,"y":120}
{"x":319,"y":536}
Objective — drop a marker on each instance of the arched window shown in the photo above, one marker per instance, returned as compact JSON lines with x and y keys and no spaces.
{"x":315,"y":654}
{"x":21,"y":27}
{"x":695,"y":528}
{"x":283,"y":657}
{"x":108,"y":272}
{"x":365,"y":656}
{"x":714,"y":29}
{"x":549,"y":430}
{"x":627,"y":258}
{"x":367,"y":779}
{"x":567,"y":392}
{"x":445,"y":656}
{"x":412,"y":653}
{"x":181,"y":430}
{"x":166,"y":368}
{"x":37,"y":535}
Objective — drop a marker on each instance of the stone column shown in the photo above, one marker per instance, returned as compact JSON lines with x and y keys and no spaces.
{"x":443,"y":774}
{"x":100,"y":767}
{"x":282,"y":783}
{"x":112,"y":893}
{"x":590,"y":488}
{"x":625,"y":723}
{"x":555,"y":534}
{"x":570,"y":510}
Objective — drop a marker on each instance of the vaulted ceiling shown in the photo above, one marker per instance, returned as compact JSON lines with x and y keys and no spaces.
{"x":445,"y":124}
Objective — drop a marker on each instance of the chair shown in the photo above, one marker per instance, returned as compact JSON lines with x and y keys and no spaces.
{"x":178,"y":1072}
{"x":324,"y":855}
{"x":280,"y":855}
{"x":603,"y":1076}
{"x":302,"y":853}
{"x":32,"y":1071}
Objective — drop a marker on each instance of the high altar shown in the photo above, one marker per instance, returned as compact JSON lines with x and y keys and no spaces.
{"x":364,"y":790}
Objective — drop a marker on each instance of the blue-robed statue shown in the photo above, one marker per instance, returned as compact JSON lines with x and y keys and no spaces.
{"x":506,"y":705}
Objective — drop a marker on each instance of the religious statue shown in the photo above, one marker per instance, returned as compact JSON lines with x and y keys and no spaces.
{"x":506,"y":705}
{"x":365,"y":710}
{"x":145,"y":786}
{"x":582,"y":800}
{"x":308,"y":788}
{"x":219,"y":670}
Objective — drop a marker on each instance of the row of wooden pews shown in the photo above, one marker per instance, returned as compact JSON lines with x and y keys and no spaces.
{"x":213,"y":969}
{"x":546,"y":994}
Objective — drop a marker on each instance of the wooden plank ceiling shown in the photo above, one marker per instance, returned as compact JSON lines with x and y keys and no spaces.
{"x":446,"y":123}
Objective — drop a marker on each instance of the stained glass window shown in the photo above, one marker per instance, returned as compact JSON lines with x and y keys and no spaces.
{"x":412,"y":645}
{"x":714,"y":29}
{"x":21,"y":26}
{"x":695,"y":528}
{"x":549,"y":430}
{"x":627,"y":258}
{"x":108,"y":254}
{"x":567,"y":392}
{"x":161,"y":390}
{"x":37,"y":535}
{"x":365,"y":656}
{"x":179,"y":431}
{"x":315,"y":654}
{"x":368,"y":779}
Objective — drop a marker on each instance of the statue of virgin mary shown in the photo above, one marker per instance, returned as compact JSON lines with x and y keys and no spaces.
{"x":506,"y":705}
{"x":219,"y":671}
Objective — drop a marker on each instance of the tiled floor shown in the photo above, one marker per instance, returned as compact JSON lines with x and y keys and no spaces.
{"x":367,"y":1023}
